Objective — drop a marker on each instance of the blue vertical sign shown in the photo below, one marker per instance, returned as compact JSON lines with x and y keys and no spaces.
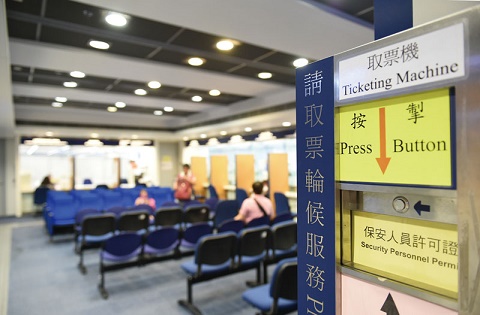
{"x":316,"y":188}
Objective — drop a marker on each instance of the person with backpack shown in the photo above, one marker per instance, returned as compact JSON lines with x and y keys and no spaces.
{"x":183,"y":185}
{"x":256,"y":206}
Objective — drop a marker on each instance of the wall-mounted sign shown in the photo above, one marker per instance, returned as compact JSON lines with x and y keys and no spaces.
{"x":316,"y":189}
{"x":423,"y":252}
{"x":363,"y":298}
{"x":405,"y":140}
{"x":432,"y":57}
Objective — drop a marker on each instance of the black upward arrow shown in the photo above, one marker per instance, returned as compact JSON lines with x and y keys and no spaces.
{"x":389,"y":306}
{"x":419,"y":207}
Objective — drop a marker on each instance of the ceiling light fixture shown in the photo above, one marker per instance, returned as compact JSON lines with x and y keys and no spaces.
{"x":168,"y":109}
{"x":286,"y":124}
{"x":112,"y":109}
{"x":48,"y":133}
{"x":203,"y":136}
{"x":154,"y":84}
{"x":77,"y":74}
{"x":223,"y":133}
{"x":248,"y":129}
{"x":196,"y":61}
{"x":157,"y":112}
{"x":57,"y":104}
{"x":214,"y":92}
{"x":94,"y":135}
{"x":116,"y":19}
{"x":264,"y":75}
{"x":140,"y":92}
{"x":93,"y":143}
{"x":60,"y":99}
{"x":134,"y":136}
{"x":120,"y":104}
{"x":70,"y":84}
{"x":197,"y":98}
{"x":99,"y":44}
{"x":225,"y":44}
{"x":300,"y":62}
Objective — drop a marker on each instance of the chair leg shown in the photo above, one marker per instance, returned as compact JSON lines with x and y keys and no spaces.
{"x":81,"y":266}
{"x":188,"y":304}
{"x":101,"y":285}
{"x":265,"y":272}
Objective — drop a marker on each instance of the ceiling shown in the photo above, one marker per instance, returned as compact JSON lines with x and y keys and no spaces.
{"x":48,"y":39}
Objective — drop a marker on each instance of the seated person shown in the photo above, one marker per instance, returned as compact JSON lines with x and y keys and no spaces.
{"x":143,"y":199}
{"x":47,"y":182}
{"x":256,"y":206}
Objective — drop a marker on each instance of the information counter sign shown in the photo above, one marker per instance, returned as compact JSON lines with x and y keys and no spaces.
{"x":316,"y":188}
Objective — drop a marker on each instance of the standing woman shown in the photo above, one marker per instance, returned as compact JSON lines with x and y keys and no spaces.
{"x":183,"y":186}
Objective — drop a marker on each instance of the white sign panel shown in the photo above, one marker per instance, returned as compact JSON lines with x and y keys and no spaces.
{"x":431,"y":57}
{"x":363,"y":298}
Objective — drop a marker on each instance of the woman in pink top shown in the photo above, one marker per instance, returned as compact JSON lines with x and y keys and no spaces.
{"x":143,"y":199}
{"x":250,"y":207}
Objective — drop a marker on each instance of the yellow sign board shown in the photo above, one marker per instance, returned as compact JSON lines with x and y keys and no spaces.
{"x":425,"y":253}
{"x":405,"y":140}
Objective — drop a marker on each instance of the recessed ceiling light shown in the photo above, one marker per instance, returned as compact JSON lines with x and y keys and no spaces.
{"x":112,"y":109}
{"x":300,"y":62}
{"x":196,"y":61}
{"x":116,"y":19}
{"x":157,"y":112}
{"x":134,"y":136}
{"x":225,"y":44}
{"x":77,"y":74}
{"x":99,"y":44}
{"x":197,"y":98}
{"x":140,"y":92}
{"x":248,"y":129}
{"x":48,"y":133}
{"x":154,"y":84}
{"x":120,"y":104}
{"x":223,"y":133}
{"x":60,"y":99}
{"x":214,"y":92}
{"x":168,"y":109}
{"x":264,"y":75}
{"x":203,"y":136}
{"x":286,"y":124}
{"x":70,"y":84}
{"x":57,"y":104}
{"x":94,"y":135}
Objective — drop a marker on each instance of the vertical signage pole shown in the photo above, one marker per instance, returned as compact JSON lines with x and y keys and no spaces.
{"x":316,"y":188}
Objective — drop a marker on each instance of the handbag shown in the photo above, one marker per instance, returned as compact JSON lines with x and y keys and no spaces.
{"x":184,"y":190}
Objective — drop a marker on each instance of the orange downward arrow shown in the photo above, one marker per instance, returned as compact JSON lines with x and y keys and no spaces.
{"x":383,"y":160}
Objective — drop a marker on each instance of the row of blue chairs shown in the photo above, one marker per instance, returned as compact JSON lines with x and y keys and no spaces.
{"x":251,"y":248}
{"x":227,"y":253}
{"x":61,"y":206}
{"x":91,"y":229}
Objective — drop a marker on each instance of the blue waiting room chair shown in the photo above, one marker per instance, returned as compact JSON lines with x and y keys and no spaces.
{"x":119,"y":251}
{"x":280,"y":295}
{"x":214,"y":254}
{"x":281,"y":204}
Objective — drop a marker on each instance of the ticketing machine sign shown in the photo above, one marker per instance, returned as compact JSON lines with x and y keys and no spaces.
{"x":432,"y":57}
{"x":406,"y":140}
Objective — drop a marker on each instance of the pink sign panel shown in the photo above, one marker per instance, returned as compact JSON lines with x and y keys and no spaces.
{"x":363,"y":298}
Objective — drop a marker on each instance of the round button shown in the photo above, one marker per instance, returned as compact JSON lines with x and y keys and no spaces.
{"x":400,"y":204}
